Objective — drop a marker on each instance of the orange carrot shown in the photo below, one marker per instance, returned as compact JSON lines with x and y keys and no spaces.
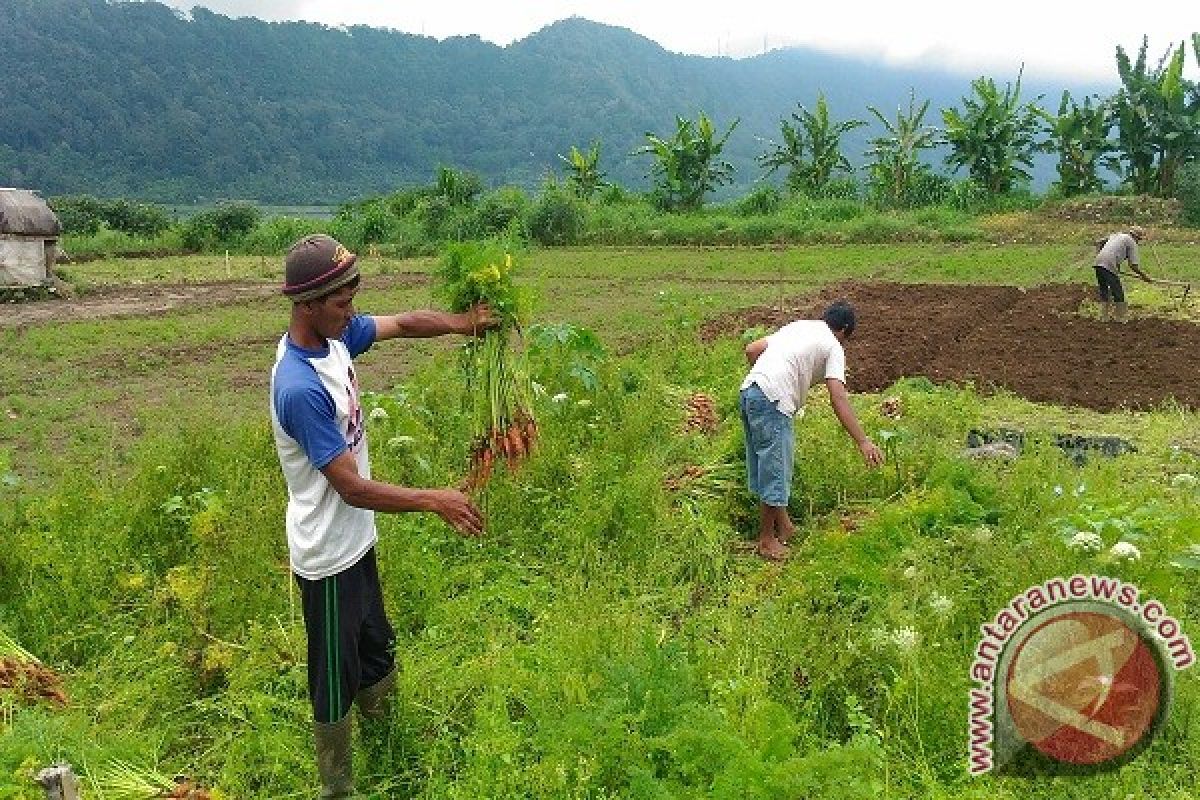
{"x":515,"y":443}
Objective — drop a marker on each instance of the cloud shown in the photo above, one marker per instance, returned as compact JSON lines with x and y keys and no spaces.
{"x":1051,"y":40}
{"x":263,"y":9}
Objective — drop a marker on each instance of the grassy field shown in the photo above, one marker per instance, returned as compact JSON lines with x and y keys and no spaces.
{"x":610,"y":636}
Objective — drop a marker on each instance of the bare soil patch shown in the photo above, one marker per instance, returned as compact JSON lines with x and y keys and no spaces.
{"x":1031,"y":342}
{"x":157,"y":299}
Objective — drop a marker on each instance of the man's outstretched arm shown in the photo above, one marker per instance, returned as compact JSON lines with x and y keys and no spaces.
{"x":428,"y":323}
{"x":451,"y":505}
{"x":840,"y":399}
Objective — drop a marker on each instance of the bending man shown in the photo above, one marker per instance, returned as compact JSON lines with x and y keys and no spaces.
{"x":783,"y":367}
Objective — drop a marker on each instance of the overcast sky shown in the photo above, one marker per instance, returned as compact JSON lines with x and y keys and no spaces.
{"x":1054,"y":38}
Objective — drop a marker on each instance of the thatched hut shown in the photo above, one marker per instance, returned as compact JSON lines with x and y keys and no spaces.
{"x":29,"y":233}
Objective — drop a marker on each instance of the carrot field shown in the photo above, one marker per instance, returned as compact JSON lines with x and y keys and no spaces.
{"x":612,"y":635}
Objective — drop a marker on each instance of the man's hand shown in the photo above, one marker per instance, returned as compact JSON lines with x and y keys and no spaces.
{"x":870,"y":453}
{"x":480,"y":319}
{"x":458,"y":511}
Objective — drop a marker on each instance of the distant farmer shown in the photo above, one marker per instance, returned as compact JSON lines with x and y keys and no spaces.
{"x":1112,"y":251}
{"x":783,"y":367}
{"x":322,"y":446}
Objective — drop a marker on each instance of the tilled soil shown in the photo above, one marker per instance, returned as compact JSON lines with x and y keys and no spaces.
{"x":1031,"y":342}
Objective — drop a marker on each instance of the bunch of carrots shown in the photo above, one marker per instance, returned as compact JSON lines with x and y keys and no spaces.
{"x":21,"y":672}
{"x":498,"y":386}
{"x":504,"y":426}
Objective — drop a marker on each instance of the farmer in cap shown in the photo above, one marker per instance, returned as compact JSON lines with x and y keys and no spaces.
{"x":332,"y":500}
{"x":783,"y":367}
{"x":1112,"y":251}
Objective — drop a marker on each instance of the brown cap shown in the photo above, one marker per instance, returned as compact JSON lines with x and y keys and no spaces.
{"x":315,"y":266}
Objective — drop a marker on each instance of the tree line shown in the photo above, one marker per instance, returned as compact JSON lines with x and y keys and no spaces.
{"x":994,"y":136}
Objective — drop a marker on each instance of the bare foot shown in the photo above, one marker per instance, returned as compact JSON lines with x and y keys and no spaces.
{"x":785,"y":530}
{"x":772,"y":549}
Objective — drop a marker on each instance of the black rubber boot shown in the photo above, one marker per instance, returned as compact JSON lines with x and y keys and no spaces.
{"x":335,"y":758}
{"x":374,"y":705}
{"x":374,"y":702}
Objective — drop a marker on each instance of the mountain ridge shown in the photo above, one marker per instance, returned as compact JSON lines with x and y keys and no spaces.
{"x":138,"y":100}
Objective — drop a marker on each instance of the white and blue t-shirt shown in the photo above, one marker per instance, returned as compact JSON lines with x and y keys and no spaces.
{"x":316,"y":416}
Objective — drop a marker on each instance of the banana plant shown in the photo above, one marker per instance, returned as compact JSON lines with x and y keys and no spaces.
{"x":583,"y":170}
{"x":1157,"y":114}
{"x":895,"y":166}
{"x":688,"y":166}
{"x":1079,"y":135}
{"x":810,"y":150}
{"x":995,"y":136}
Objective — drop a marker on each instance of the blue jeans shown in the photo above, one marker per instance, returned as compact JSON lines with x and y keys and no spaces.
{"x":770,"y":447}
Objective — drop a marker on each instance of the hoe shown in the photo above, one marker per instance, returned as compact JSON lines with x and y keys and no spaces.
{"x":1169,"y":284}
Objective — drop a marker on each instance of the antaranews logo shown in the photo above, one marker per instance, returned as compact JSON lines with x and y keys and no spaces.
{"x":1079,"y":670}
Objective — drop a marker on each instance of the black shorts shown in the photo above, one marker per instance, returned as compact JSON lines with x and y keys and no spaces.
{"x":351,"y":644}
{"x":1109,"y":285}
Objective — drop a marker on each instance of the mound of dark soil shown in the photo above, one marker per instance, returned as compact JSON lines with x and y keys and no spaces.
{"x":1032,"y":342}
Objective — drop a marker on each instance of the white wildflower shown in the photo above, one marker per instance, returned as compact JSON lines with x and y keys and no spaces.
{"x":1086,"y":542}
{"x":1124,"y":551}
{"x":940,"y":604}
{"x":878,"y":637}
{"x":906,"y":639}
{"x":379,"y":413}
{"x":982,"y":534}
{"x":1184,"y":480}
{"x":1058,"y":490}
{"x":561,"y":397}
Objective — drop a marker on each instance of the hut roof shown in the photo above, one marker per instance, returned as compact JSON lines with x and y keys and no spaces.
{"x":24,"y":213}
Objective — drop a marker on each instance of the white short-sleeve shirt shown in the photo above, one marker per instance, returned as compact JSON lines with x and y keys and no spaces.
{"x":316,"y":417}
{"x":796,"y":355}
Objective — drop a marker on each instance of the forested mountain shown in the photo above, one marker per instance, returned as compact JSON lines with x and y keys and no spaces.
{"x":134,"y":99}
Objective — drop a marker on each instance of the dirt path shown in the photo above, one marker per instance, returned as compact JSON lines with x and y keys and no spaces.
{"x":156,"y":299}
{"x":1032,"y":342}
